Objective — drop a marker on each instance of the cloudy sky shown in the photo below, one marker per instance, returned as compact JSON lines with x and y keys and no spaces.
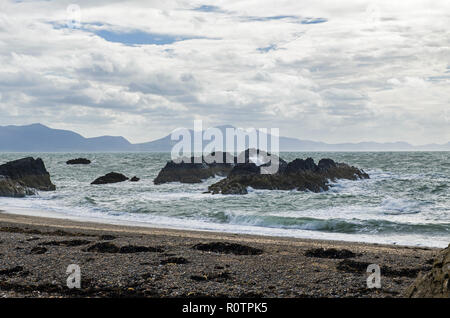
{"x":333,"y":71}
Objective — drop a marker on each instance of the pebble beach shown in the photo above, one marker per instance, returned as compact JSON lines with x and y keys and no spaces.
{"x":125,"y":261}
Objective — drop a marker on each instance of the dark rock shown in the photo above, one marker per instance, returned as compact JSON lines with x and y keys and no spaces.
{"x":191,"y":171}
{"x":329,"y":253}
{"x":184,"y":172}
{"x":10,"y":188}
{"x":297,"y":175}
{"x":198,"y":169}
{"x":220,"y":158}
{"x":325,"y":164}
{"x":245,"y":169}
{"x":112,"y":177}
{"x":227,"y":187}
{"x":134,"y":179}
{"x":228,"y":248}
{"x":20,"y":177}
{"x":300,"y":165}
{"x":261,"y":159}
{"x":436,"y":282}
{"x":104,"y":247}
{"x":242,"y":172}
{"x":301,"y":181}
{"x":78,"y":161}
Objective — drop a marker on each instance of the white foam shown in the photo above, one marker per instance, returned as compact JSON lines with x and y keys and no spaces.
{"x":198,"y":225}
{"x":400,"y":206}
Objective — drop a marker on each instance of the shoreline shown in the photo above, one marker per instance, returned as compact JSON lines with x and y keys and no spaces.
{"x":91,"y":225}
{"x":141,"y":224}
{"x":157,"y":262}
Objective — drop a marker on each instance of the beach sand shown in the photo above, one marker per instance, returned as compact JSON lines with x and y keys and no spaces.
{"x":148,"y":262}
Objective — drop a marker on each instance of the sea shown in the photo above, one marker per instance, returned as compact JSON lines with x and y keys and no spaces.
{"x":406,"y":201}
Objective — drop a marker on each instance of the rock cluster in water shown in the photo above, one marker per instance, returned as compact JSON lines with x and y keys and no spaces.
{"x":78,"y":161}
{"x":436,"y":282}
{"x":112,"y":177}
{"x":242,"y":172}
{"x":191,"y":171}
{"x":23,"y":177}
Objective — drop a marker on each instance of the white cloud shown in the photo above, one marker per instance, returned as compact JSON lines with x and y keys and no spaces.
{"x":365,"y":71}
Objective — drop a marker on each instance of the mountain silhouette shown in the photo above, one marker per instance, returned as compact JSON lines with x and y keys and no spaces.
{"x":40,"y":138}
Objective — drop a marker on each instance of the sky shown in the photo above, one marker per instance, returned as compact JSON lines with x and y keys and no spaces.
{"x":332,"y":71}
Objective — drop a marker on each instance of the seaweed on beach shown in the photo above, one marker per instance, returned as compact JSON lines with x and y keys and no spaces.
{"x":228,"y":248}
{"x":352,"y":266}
{"x":12,"y":229}
{"x":106,"y":247}
{"x":11,"y":271}
{"x":37,"y":250}
{"x":329,"y":253}
{"x":107,"y":237}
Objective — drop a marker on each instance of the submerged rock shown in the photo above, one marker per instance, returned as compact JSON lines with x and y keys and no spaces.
{"x":134,"y":179}
{"x":22,"y":177}
{"x":112,"y":177}
{"x":78,"y":161}
{"x":434,"y":283}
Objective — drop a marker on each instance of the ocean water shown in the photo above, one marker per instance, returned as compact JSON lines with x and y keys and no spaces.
{"x":406,"y":201}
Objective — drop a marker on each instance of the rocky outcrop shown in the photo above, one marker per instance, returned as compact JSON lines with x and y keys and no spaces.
{"x":22,"y":177}
{"x":243,"y":169}
{"x":436,"y":282}
{"x":10,"y":188}
{"x":134,"y":179}
{"x":112,"y":177}
{"x":247,"y":170}
{"x":299,"y":175}
{"x":300,"y":165}
{"x":196,"y":170}
{"x":78,"y":161}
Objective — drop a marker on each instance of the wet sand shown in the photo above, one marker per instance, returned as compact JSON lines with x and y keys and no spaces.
{"x":125,"y":261}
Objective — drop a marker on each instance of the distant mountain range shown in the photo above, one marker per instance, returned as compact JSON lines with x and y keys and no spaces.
{"x":40,"y":138}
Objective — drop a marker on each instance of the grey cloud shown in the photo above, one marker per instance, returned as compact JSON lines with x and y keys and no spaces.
{"x":266,"y":68}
